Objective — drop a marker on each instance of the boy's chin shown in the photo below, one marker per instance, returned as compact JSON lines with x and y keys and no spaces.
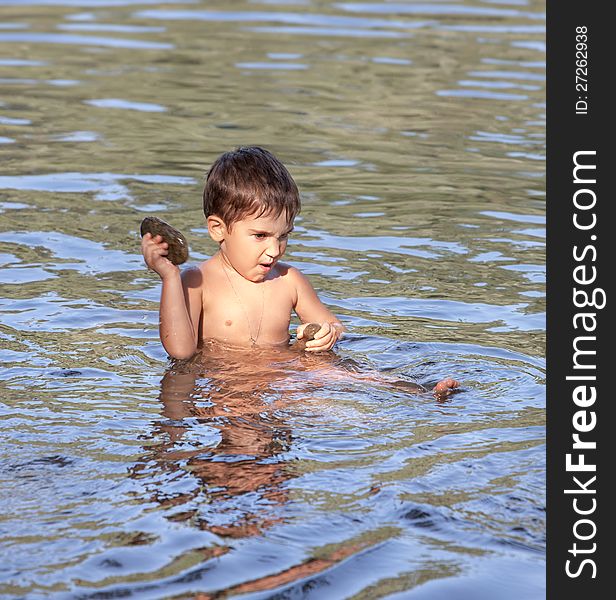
{"x":255,"y":278}
{"x":256,"y":274}
{"x":263,"y":272}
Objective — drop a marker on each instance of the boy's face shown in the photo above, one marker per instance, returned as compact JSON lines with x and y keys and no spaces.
{"x":254,"y":244}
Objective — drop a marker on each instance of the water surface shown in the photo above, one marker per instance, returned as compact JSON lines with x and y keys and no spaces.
{"x":415,"y":131}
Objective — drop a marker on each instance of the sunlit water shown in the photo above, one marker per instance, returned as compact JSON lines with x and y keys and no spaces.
{"x":415,"y":131}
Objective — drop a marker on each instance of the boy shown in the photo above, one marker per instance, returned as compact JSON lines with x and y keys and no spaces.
{"x":243,"y":295}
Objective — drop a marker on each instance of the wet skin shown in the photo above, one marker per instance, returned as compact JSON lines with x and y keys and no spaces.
{"x":177,"y":253}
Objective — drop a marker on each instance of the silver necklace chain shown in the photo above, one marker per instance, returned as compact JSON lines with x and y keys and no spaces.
{"x":239,"y":301}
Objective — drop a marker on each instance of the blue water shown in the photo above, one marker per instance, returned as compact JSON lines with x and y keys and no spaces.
{"x":415,"y":132}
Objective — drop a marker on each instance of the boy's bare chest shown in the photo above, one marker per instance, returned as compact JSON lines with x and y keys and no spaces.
{"x":260,"y":312}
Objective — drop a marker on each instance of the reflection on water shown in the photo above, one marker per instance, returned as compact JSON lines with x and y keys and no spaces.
{"x":416,"y":134}
{"x":233,"y":454}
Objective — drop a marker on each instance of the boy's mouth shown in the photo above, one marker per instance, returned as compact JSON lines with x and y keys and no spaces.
{"x":266,"y":266}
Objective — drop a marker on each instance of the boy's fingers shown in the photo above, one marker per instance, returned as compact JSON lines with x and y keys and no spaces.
{"x":325,"y":329}
{"x":318,"y":348}
{"x":317,"y":336}
{"x":317,"y":341}
{"x":158,"y":240}
{"x":323,"y":343}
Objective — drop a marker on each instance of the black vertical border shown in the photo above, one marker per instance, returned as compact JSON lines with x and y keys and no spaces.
{"x":567,"y":133}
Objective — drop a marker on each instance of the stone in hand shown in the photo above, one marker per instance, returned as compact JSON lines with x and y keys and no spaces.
{"x":309,"y":333}
{"x":178,"y":246}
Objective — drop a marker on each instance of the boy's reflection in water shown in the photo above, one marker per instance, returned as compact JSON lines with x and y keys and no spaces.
{"x":224,"y":426}
{"x":238,"y":457}
{"x":223,"y":445}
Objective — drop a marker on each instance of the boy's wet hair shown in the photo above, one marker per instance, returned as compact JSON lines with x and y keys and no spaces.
{"x":249,"y":181}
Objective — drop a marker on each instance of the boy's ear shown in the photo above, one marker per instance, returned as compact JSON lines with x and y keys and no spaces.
{"x":216,"y":228}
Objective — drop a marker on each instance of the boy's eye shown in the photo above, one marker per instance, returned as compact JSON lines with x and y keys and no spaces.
{"x":262,"y":236}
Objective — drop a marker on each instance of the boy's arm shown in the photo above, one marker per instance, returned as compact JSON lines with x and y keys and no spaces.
{"x":311,"y":310}
{"x":180,"y":301}
{"x":180,"y":313}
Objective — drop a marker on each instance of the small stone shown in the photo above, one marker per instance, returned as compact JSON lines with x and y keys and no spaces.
{"x":178,"y":246}
{"x":309,"y":333}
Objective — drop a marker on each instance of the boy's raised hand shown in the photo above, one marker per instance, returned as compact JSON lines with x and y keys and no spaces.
{"x":154,"y":251}
{"x":324,"y":339}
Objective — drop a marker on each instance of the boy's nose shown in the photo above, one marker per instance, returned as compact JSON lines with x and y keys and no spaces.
{"x":273,"y":250}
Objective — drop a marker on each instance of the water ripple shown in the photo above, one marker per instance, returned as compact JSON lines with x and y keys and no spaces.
{"x":82,"y":40}
{"x":416,"y":133}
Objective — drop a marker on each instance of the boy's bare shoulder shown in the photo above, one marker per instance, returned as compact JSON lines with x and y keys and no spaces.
{"x":296,"y":282}
{"x":291,"y":274}
{"x":194,"y":277}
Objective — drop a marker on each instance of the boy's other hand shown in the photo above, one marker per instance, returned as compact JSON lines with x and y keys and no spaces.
{"x":154,"y":251}
{"x":324,"y":339}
